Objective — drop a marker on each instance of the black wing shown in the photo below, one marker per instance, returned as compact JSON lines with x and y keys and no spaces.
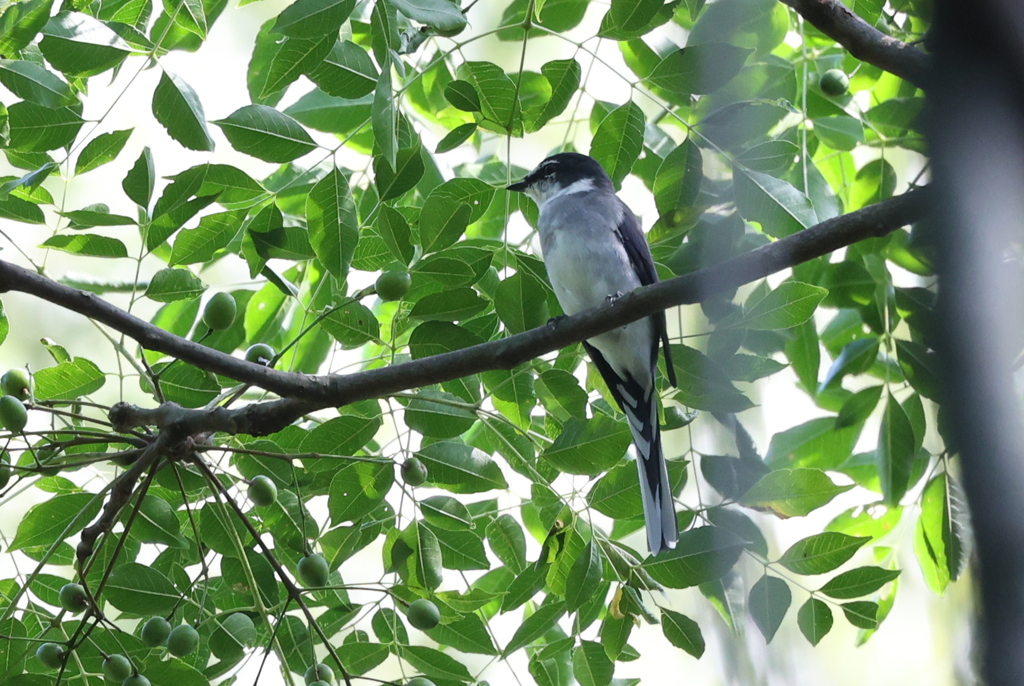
{"x":643,"y":264}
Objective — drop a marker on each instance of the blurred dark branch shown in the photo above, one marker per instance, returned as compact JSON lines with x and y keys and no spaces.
{"x":863,"y":40}
{"x":304,"y":394}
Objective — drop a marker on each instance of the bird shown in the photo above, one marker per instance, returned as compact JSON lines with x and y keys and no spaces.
{"x":595,"y":252}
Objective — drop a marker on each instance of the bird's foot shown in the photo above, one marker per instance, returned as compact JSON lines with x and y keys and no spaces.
{"x":554,"y":320}
{"x":613,"y":297}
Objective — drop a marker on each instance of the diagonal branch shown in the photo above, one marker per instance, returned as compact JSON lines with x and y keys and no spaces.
{"x":863,"y":40}
{"x":332,"y":391}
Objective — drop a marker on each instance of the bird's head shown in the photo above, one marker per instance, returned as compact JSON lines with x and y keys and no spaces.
{"x":561,"y":174}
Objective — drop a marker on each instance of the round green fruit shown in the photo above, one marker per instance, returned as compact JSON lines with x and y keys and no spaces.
{"x":16,"y":382}
{"x":73,"y":598}
{"x":117,"y":667}
{"x":393,"y":285}
{"x":233,"y":635}
{"x":414,"y":472}
{"x":136,"y":680}
{"x":449,"y":33}
{"x":319,"y":683}
{"x":13,"y":414}
{"x":419,"y":681}
{"x":261,"y":353}
{"x":319,"y":673}
{"x":313,"y":571}
{"x":834,"y":82}
{"x":155,"y":631}
{"x":50,"y":655}
{"x":182,"y":640}
{"x":220,"y":311}
{"x":423,"y":614}
{"x":5,"y":468}
{"x":262,"y":491}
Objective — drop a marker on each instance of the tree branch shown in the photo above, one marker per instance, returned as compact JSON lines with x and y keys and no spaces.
{"x":864,"y":41}
{"x":334,"y":390}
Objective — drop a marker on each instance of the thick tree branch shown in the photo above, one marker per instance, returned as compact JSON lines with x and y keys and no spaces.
{"x":863,"y":40}
{"x":331,"y":391}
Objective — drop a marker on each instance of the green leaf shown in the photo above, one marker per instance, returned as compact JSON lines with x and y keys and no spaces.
{"x":618,"y":141}
{"x":584,"y":576}
{"x":20,"y":23}
{"x":176,"y":106}
{"x":859,"y":407}
{"x":333,"y":227}
{"x":498,"y":108}
{"x":789,"y":305}
{"x":79,"y":45}
{"x":434,"y":663}
{"x":521,"y":302}
{"x":700,"y":556}
{"x":943,"y":524}
{"x":617,"y":493}
{"x":35,"y":128}
{"x":461,"y":469}
{"x":456,"y":137}
{"x":442,"y":222}
{"x":702,"y":383}
{"x":461,"y":550}
{"x":293,"y":58}
{"x":588,"y":446}
{"x":815,"y":620}
{"x":200,"y":244}
{"x":86,"y":244}
{"x":139,"y":182}
{"x":678,"y":180}
{"x":266,"y":134}
{"x":385,"y":127}
{"x":312,"y":18}
{"x":20,"y":210}
{"x":818,"y":443}
{"x":821,"y":553}
{"x":508,"y":542}
{"x":168,"y":285}
{"x":395,"y":181}
{"x":35,"y":83}
{"x":564,"y":78}
{"x":347,"y":72}
{"x":792,"y":492}
{"x":630,"y":15}
{"x":101,"y":149}
{"x":862,"y":614}
{"x":769,"y":600}
{"x":360,"y":658}
{"x":437,"y":414}
{"x":140,"y":590}
{"x":443,"y":15}
{"x":895,"y":452}
{"x":536,"y":625}
{"x":55,"y":519}
{"x":698,"y":69}
{"x":68,"y":380}
{"x":454,"y":305}
{"x":445,"y":512}
{"x":187,"y":385}
{"x":394,"y":231}
{"x":858,"y":582}
{"x":156,"y":523}
{"x":841,"y":132}
{"x":682,"y":632}
{"x":341,"y":436}
{"x":462,"y":96}
{"x":775,"y":204}
{"x":467,"y":635}
{"x":188,"y":14}
{"x":352,"y":325}
{"x":357,"y":488}
{"x":590,"y":664}
{"x":921,"y":367}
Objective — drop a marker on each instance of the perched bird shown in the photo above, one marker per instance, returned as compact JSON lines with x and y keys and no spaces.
{"x":595,"y":252}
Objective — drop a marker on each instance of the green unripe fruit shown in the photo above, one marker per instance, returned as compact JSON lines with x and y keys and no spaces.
{"x":834,"y":82}
{"x":73,"y":598}
{"x":182,"y":640}
{"x":414,"y":472}
{"x":319,"y":683}
{"x":261,"y":353}
{"x":393,"y":285}
{"x":13,"y":414}
{"x":155,"y":632}
{"x":233,"y":635}
{"x":16,"y":382}
{"x":313,"y":571}
{"x":262,"y":491}
{"x":319,"y":673}
{"x":423,"y":614}
{"x":117,"y":667}
{"x":419,"y":681}
{"x":136,"y":680}
{"x":50,"y":655}
{"x":220,"y":311}
{"x":5,"y":468}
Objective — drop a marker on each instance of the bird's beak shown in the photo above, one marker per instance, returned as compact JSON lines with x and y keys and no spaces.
{"x":518,"y":187}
